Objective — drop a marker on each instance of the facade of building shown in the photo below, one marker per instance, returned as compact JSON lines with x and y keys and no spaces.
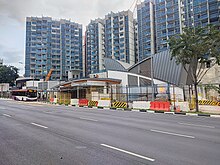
{"x":146,"y":29}
{"x":112,"y":37}
{"x":57,"y":44}
{"x":169,"y":21}
{"x":119,"y":36}
{"x":201,"y":12}
{"x":159,"y":20}
{"x":95,"y":50}
{"x":52,"y":44}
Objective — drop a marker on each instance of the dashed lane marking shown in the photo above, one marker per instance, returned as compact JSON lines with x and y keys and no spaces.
{"x":189,"y":124}
{"x":174,"y":134}
{"x":38,"y":125}
{"x":7,"y":115}
{"x":128,"y":152}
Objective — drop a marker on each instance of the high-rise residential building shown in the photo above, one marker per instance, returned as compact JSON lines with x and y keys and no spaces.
{"x":158,"y":20}
{"x":111,"y":37}
{"x":52,"y":44}
{"x":169,"y":21}
{"x":201,"y":12}
{"x":95,"y":50}
{"x":146,"y":29}
{"x":119,"y":36}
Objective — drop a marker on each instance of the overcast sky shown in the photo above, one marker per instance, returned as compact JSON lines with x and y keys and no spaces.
{"x":14,"y":12}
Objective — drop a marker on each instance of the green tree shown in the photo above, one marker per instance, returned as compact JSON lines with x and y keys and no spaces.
{"x":197,"y":49}
{"x":8,"y":74}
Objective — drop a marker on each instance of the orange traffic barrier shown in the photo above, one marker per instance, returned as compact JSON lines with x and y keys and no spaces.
{"x":177,"y":109}
{"x":160,"y":105}
{"x":83,"y":102}
{"x":51,"y":100}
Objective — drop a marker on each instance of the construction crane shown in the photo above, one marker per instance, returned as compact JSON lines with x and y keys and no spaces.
{"x":49,"y":75}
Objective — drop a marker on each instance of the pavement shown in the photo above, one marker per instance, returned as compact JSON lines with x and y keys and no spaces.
{"x":47,"y":134}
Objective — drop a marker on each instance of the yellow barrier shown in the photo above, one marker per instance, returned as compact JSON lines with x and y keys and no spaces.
{"x":93,"y":103}
{"x":120,"y":104}
{"x":208,"y":102}
{"x":105,"y":98}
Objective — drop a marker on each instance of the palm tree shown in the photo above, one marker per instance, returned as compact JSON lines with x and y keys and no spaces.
{"x":197,"y":49}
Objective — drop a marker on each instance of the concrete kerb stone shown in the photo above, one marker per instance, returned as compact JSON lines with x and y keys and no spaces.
{"x":120,"y":109}
{"x":205,"y":115}
{"x":191,"y":114}
{"x":179,"y":113}
{"x":159,"y":111}
{"x":150,"y":111}
{"x":127,"y":109}
{"x":216,"y":116}
{"x":134,"y":110}
{"x":170,"y":113}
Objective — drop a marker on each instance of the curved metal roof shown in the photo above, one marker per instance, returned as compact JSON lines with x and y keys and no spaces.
{"x":111,"y":64}
{"x":164,"y":68}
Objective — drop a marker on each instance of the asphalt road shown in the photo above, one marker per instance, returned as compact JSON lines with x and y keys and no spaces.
{"x":36,"y":134}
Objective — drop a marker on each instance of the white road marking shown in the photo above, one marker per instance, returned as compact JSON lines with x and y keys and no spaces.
{"x":170,"y":133}
{"x":39,"y":125}
{"x":82,"y":118}
{"x":189,"y":124}
{"x":7,"y":115}
{"x":128,"y":152}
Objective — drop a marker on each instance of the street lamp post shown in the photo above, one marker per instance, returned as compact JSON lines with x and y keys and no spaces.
{"x":2,"y":85}
{"x":152,"y":79}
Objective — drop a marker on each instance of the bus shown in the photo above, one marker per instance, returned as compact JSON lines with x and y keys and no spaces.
{"x":24,"y":95}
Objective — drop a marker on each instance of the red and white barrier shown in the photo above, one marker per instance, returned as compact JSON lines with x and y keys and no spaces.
{"x":74,"y":102}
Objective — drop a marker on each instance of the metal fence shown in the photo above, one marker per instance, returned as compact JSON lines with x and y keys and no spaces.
{"x":125,"y":93}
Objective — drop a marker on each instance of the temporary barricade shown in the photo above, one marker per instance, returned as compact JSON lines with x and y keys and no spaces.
{"x":208,"y":102}
{"x":141,"y":104}
{"x":74,"y":102}
{"x":55,"y":100}
{"x":159,"y":105}
{"x":120,"y":105}
{"x":184,"y":106}
{"x":93,"y":103}
{"x":104,"y":103}
{"x":51,"y":100}
{"x":83,"y":102}
{"x":177,"y":108}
